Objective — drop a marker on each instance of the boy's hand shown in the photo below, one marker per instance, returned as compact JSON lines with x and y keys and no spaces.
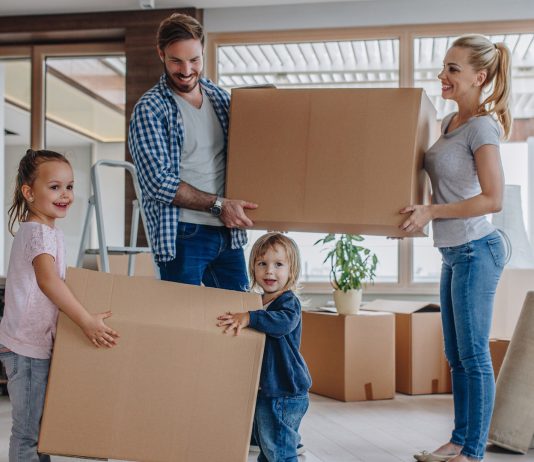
{"x":97,"y":331}
{"x":233,"y":321}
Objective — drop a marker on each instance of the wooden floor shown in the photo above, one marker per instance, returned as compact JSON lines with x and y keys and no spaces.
{"x":372,"y":431}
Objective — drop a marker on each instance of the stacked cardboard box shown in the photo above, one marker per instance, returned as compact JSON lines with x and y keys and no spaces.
{"x":421,"y":366}
{"x":350,"y":358}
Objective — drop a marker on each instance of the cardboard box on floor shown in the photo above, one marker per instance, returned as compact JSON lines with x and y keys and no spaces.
{"x":498,"y":350}
{"x":339,"y":160}
{"x":175,"y":388}
{"x":350,"y":358}
{"x":420,"y":363}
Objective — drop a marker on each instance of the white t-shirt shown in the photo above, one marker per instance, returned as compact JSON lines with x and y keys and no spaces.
{"x":203,"y":159}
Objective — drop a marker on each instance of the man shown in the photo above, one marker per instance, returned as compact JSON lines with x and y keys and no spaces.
{"x":178,"y":139}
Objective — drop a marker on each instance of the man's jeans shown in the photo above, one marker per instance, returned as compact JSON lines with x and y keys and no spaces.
{"x":204,"y":255}
{"x":469,"y":277}
{"x":276,"y":427}
{"x":27,"y":379}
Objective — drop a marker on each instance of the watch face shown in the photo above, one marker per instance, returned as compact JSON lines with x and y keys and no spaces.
{"x":216,"y":210}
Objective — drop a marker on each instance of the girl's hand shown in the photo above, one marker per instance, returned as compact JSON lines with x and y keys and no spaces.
{"x":233,"y":321}
{"x":97,"y":331}
{"x":419,"y":218}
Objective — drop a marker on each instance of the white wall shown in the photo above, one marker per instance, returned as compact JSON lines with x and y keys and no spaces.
{"x":364,"y":13}
{"x":112,"y":189}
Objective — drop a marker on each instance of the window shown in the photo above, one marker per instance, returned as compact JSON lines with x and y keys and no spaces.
{"x":81,"y":115}
{"x":15,"y":89}
{"x":85,"y":120}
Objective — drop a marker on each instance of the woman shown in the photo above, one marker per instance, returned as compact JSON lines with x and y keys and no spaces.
{"x":467,"y":183}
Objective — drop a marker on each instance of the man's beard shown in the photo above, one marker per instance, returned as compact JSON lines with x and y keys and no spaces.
{"x":181,"y":88}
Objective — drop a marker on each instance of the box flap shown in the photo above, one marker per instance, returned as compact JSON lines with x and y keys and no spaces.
{"x":401,"y":306}
{"x":175,"y":388}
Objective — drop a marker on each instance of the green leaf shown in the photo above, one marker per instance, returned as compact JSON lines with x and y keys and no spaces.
{"x":350,"y":264}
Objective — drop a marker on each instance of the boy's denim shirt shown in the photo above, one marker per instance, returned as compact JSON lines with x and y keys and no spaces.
{"x":284,"y":371}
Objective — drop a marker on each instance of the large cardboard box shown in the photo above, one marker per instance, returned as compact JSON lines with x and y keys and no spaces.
{"x":175,"y":388}
{"x":509,"y":297}
{"x":498,"y":349}
{"x":350,"y":358}
{"x":338,"y":160}
{"x":420,"y":363}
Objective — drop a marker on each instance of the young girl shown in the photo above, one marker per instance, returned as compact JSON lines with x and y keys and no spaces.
{"x":274,"y":266}
{"x":34,"y":291}
{"x":467,"y":181}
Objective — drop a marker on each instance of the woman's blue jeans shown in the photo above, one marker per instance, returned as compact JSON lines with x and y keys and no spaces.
{"x":469,"y":277}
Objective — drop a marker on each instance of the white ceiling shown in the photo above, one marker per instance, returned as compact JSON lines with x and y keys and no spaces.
{"x":31,"y":7}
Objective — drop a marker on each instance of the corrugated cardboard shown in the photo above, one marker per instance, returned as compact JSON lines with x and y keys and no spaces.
{"x":118,"y":264}
{"x":339,"y":160}
{"x":498,"y":350}
{"x":350,"y":358}
{"x":421,"y":366}
{"x":174,"y":389}
{"x":509,"y":297}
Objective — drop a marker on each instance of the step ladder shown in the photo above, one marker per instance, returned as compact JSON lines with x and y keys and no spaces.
{"x":95,"y":202}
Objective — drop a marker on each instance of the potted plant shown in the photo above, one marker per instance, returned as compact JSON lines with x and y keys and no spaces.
{"x":350,"y":265}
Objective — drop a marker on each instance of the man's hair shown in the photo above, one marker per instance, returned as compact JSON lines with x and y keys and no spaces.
{"x":179,"y":27}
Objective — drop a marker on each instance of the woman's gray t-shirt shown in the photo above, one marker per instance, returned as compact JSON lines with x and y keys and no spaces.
{"x":450,"y":163}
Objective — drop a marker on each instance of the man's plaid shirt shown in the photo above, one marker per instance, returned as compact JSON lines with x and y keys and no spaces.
{"x":155,"y":140}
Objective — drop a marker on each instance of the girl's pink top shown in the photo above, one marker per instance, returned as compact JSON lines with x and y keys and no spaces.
{"x":28,"y":326}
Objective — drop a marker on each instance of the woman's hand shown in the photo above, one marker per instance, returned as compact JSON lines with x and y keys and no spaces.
{"x":96,"y":330}
{"x":420,"y":216}
{"x":233,"y":321}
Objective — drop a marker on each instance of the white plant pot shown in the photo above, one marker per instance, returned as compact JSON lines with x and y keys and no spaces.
{"x":348,"y":302}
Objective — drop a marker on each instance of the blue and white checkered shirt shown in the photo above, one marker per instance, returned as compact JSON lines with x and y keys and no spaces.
{"x":155,"y":140}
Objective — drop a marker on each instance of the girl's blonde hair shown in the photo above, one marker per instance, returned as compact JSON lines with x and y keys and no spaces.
{"x":270,"y":241}
{"x":496,"y":60}
{"x":26,"y":174}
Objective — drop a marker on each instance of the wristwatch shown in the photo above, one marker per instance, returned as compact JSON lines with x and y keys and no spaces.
{"x":216,"y":208}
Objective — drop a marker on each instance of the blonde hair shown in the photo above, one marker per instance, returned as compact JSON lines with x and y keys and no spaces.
{"x":496,"y":60}
{"x":26,"y":174}
{"x":270,"y":241}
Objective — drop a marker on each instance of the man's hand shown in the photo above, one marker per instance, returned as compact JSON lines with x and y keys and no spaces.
{"x":233,"y":321}
{"x":233,"y":213}
{"x":419,"y":218}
